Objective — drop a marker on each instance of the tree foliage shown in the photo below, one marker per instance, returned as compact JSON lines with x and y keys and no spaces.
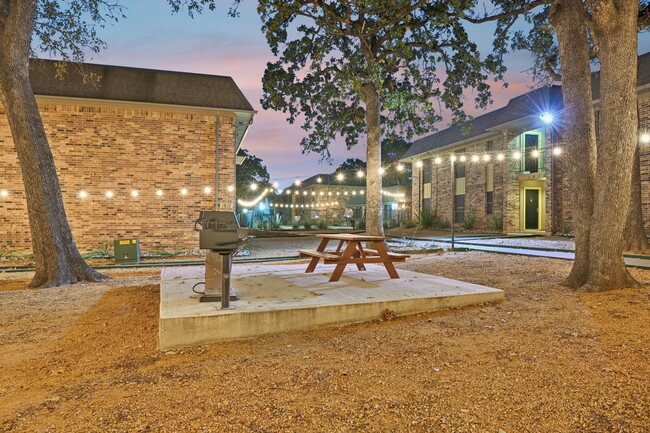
{"x":251,"y":171}
{"x":418,"y":53}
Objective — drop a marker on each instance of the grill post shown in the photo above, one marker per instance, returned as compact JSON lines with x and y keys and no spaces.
{"x":225,"y":279}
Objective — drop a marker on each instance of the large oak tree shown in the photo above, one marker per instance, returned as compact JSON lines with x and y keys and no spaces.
{"x":579,"y":32}
{"x":369,"y":68}
{"x":66,"y":29}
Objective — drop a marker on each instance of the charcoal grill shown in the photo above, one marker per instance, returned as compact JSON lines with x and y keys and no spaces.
{"x":219,"y":232}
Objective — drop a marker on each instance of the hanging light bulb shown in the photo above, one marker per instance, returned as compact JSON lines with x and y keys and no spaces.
{"x":535,"y":153}
{"x":500,"y":157}
{"x":207,"y":190}
{"x":474,"y":158}
{"x":463,"y":158}
{"x":159,"y":192}
{"x":557,"y":151}
{"x":516,"y":155}
{"x":4,"y":193}
{"x":340,"y":176}
{"x":183,"y":191}
{"x":400,"y":167}
{"x":83,"y":194}
{"x":453,"y":158}
{"x":134,"y":193}
{"x":230,"y":188}
{"x":438,"y":160}
{"x":486,"y":157}
{"x":381,"y":171}
{"x":360,"y":173}
{"x":109,"y":194}
{"x":418,"y":164}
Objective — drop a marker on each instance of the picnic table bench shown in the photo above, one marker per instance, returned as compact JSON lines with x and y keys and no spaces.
{"x":350,"y":251}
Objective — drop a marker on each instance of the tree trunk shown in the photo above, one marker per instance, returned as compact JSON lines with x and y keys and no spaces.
{"x":566,"y":18}
{"x":615,"y":36}
{"x":374,"y":211}
{"x":635,"y":237}
{"x":57,"y":259}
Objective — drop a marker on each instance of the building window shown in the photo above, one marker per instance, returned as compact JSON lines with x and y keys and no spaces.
{"x":459,"y":208}
{"x":531,"y":143}
{"x":489,"y":146}
{"x":426,"y":171}
{"x":489,"y":202}
{"x":489,"y":189}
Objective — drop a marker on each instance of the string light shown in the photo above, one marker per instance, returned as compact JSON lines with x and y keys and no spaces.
{"x":297,"y":182}
{"x":4,"y":193}
{"x":535,"y":153}
{"x":253,"y":186}
{"x":516,"y":155}
{"x":159,"y":193}
{"x":557,"y":151}
{"x":83,"y":194}
{"x":253,"y":202}
{"x":463,"y":158}
{"x":134,"y":193}
{"x":184,"y":191}
{"x":418,"y":164}
{"x":230,"y":188}
{"x":381,"y":171}
{"x":288,"y":191}
{"x":500,"y":157}
{"x":360,"y":173}
{"x":207,"y":190}
{"x":438,"y":160}
{"x":474,"y":158}
{"x":319,"y":180}
{"x":109,"y":194}
{"x":400,"y":167}
{"x":486,"y":157}
{"x":340,"y":176}
{"x":453,"y":158}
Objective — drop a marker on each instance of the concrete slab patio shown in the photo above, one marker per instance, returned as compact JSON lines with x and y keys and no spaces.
{"x":281,"y":298}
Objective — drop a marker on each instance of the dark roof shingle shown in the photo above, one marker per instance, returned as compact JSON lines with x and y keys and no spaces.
{"x":118,"y":83}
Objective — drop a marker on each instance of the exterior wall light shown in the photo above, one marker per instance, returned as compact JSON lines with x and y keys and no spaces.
{"x":546,"y":117}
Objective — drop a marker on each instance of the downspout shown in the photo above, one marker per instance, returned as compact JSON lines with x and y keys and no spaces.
{"x":216,"y":162}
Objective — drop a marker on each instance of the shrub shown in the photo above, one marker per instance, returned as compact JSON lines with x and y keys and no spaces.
{"x":361,"y":224}
{"x":322,"y":224}
{"x":410,"y":224}
{"x":565,"y":229}
{"x":306,"y":223}
{"x":495,"y":222}
{"x":295,"y":224}
{"x":426,"y":219}
{"x":469,"y":221}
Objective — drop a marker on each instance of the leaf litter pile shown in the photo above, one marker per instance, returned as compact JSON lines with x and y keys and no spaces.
{"x":547,"y":359}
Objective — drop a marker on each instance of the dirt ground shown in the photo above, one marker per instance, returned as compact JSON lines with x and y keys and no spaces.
{"x":547,"y":359}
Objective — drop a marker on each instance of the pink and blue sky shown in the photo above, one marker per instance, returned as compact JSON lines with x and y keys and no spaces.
{"x":213,"y":43}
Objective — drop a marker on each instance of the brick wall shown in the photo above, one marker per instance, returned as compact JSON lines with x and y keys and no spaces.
{"x":120,"y":149}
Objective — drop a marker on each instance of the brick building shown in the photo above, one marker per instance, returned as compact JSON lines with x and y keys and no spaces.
{"x":505,"y":168}
{"x":138,"y":153}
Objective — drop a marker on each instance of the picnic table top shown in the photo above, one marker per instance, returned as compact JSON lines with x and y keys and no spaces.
{"x":351,"y":237}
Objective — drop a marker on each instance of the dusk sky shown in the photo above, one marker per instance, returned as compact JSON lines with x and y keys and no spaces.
{"x":213,"y":43}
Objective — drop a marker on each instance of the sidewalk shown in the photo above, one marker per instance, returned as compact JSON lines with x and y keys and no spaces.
{"x":631,"y":260}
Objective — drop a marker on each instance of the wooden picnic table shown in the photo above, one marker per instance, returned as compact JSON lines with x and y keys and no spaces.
{"x":350,"y":250}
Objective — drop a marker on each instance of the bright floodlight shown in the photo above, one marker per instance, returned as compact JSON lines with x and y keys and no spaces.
{"x":557,"y":151}
{"x":319,"y":180}
{"x":645,"y":138}
{"x":253,"y":186}
{"x":546,"y":117}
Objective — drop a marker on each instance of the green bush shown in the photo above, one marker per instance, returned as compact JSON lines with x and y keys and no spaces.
{"x":306,"y":222}
{"x":410,"y":224}
{"x":495,"y":222}
{"x":322,"y":224}
{"x":428,"y":220}
{"x":360,"y":225}
{"x":295,"y":224}
{"x":565,"y":229}
{"x":469,"y":221}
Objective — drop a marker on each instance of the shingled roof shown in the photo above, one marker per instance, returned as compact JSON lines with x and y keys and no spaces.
{"x":528,"y":105}
{"x":118,"y":83}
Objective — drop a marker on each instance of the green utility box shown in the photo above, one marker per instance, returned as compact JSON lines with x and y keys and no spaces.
{"x":127,"y":251}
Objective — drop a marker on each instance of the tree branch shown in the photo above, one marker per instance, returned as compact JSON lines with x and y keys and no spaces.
{"x":510,"y":13}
